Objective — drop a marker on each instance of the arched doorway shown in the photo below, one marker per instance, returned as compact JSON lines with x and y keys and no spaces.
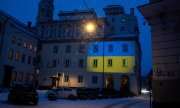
{"x":109,"y":81}
{"x":125,"y":83}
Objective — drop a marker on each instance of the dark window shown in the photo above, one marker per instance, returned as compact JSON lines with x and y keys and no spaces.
{"x":109,"y":62}
{"x":124,"y":63}
{"x":94,"y":79}
{"x":19,"y":42}
{"x":55,"y":49}
{"x":20,"y":76}
{"x":54,"y":62}
{"x":68,"y":48}
{"x":110,"y":48}
{"x":29,"y":59}
{"x":125,"y":48}
{"x":13,"y":39}
{"x":95,"y":48}
{"x":34,"y":61}
{"x":66,"y":78}
{"x":80,"y":79}
{"x":81,"y":48}
{"x":81,"y":63}
{"x":23,"y":58}
{"x":67,"y":63}
{"x":95,"y":62}
{"x":11,"y":54}
{"x":122,"y":29}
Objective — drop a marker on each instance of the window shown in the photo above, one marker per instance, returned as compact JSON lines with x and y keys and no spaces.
{"x":20,"y":76}
{"x":68,"y":48}
{"x":109,"y":62}
{"x":13,"y":39}
{"x":55,"y":49}
{"x":81,"y":48}
{"x":34,"y":61}
{"x":1,"y":27}
{"x":19,"y":42}
{"x":94,"y":79}
{"x":29,"y":59}
{"x":95,"y":62}
{"x":67,"y":63}
{"x":80,"y":79}
{"x":54,"y":63}
{"x":17,"y":56}
{"x":11,"y":54}
{"x":35,"y":49}
{"x":124,"y":63}
{"x":66,"y":78}
{"x":25,"y":44}
{"x":125,"y":48}
{"x":81,"y":63}
{"x":23,"y":58}
{"x":30,"y":47}
{"x":14,"y":75}
{"x":95,"y":48}
{"x":110,"y":48}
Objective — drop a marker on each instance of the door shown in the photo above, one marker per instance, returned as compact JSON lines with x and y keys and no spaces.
{"x":7,"y":76}
{"x":125,"y":83}
{"x":110,"y":81}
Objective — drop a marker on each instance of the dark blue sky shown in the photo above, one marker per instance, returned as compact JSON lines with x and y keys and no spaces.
{"x":26,"y":10}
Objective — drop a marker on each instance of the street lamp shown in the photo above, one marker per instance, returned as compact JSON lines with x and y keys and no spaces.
{"x":90,"y":27}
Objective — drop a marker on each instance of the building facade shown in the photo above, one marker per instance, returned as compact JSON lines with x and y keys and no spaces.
{"x":70,"y":55}
{"x":18,"y":48}
{"x":163,"y":16}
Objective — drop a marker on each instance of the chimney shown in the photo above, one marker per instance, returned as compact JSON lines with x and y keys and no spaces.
{"x":29,"y":24}
{"x":132,"y":11}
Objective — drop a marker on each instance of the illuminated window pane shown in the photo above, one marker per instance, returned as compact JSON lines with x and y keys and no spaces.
{"x":124,"y":63}
{"x":80,"y":79}
{"x":95,"y":63}
{"x":17,"y":56}
{"x":19,"y":42}
{"x":25,"y":44}
{"x":31,"y":47}
{"x":11,"y":54}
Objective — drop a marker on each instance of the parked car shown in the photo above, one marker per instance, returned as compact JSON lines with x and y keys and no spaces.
{"x":62,"y":92}
{"x":23,"y":94}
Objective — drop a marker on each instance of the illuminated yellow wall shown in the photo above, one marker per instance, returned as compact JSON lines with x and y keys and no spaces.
{"x":117,"y":64}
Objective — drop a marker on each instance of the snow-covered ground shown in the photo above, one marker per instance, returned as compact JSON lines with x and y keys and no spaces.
{"x":131,"y":102}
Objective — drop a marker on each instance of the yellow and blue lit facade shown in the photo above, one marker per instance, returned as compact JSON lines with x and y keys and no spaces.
{"x":116,"y":56}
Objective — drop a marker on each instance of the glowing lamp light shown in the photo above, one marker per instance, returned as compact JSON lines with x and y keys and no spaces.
{"x":90,"y":27}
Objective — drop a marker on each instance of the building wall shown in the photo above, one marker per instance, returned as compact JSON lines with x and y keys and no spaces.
{"x":22,"y":71}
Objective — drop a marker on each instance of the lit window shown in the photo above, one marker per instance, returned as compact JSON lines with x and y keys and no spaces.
{"x":80,"y":79}
{"x":17,"y":56}
{"x":124,"y":63}
{"x":19,"y":42}
{"x":25,"y":44}
{"x":30,"y":47}
{"x":11,"y":54}
{"x":95,"y":62}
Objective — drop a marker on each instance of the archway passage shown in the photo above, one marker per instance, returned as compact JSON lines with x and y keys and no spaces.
{"x":110,"y":81}
{"x":125,"y":83}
